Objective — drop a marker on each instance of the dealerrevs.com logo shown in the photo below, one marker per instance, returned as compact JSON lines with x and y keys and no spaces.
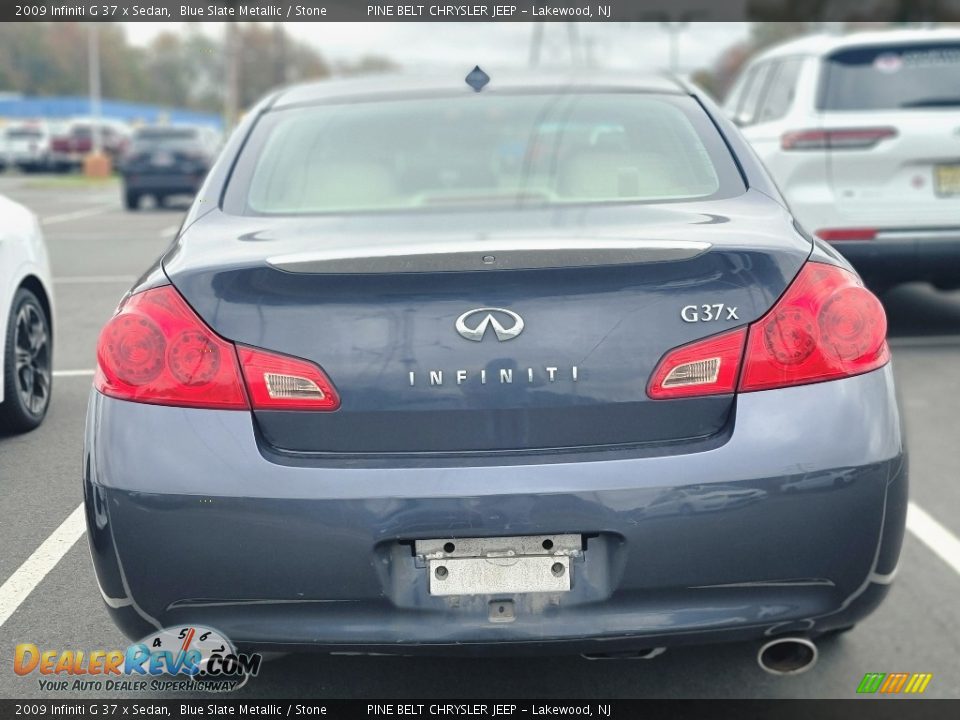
{"x":191,"y":657}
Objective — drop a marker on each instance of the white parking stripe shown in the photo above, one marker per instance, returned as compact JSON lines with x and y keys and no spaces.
{"x":73,"y":373}
{"x":26,"y":577}
{"x":76,"y":215}
{"x":93,"y":279}
{"x":922,"y":341}
{"x":934,"y":535}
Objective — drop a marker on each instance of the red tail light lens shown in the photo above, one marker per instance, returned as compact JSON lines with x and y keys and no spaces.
{"x":279,"y":382}
{"x":156,"y":350}
{"x":836,"y":139}
{"x":826,"y":326}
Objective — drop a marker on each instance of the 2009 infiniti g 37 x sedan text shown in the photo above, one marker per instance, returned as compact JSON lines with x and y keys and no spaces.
{"x":546,"y":366}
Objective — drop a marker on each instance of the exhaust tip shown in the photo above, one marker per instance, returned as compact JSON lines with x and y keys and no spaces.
{"x":787,"y":656}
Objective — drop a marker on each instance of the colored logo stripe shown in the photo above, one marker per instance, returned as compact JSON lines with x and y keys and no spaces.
{"x":893,"y":683}
{"x":871,"y":682}
{"x":918,"y":683}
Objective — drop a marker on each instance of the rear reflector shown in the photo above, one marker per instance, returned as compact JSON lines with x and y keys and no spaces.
{"x":825,"y":326}
{"x":842,"y":234}
{"x":157,"y":350}
{"x":836,"y":138}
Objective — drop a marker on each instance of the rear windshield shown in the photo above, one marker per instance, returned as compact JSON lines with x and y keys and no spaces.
{"x":470,"y":150}
{"x":892,"y":77}
{"x":165,"y":139}
{"x":24,"y":133}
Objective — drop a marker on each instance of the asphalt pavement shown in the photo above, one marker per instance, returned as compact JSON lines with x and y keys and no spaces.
{"x":97,"y":250}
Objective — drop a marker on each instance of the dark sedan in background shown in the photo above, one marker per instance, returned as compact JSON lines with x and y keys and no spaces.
{"x":538,"y":365}
{"x":164,"y":161}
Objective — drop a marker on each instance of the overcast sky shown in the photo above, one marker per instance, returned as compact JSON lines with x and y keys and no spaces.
{"x":613,"y":45}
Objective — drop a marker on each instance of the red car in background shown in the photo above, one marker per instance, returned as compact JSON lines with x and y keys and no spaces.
{"x":73,"y":141}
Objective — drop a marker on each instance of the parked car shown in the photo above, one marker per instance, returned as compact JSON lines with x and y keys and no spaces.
{"x":74,"y":141}
{"x":26,"y":320}
{"x":167,"y":160}
{"x":383,"y":356}
{"x":27,"y":146}
{"x":861,"y":134}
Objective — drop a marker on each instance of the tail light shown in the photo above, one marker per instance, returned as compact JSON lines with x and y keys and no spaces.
{"x":835,"y":234}
{"x":279,"y":382}
{"x":707,"y":367}
{"x":157,"y":350}
{"x":825,"y":326}
{"x":836,"y":139}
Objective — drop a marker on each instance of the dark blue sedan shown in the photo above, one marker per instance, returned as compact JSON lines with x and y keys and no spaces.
{"x":541,"y":365}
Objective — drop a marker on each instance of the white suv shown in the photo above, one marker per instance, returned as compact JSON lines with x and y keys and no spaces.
{"x":862,"y":134}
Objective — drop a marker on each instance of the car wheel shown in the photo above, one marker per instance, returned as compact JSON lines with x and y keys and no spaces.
{"x":131,"y":200}
{"x":28,"y":365}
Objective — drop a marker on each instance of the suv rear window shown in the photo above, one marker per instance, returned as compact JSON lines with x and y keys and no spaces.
{"x":165,"y":138}
{"x":24,"y":133}
{"x":891,"y":77}
{"x":469,"y":150}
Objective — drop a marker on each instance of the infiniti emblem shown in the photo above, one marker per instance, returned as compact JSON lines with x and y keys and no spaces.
{"x":473,"y":324}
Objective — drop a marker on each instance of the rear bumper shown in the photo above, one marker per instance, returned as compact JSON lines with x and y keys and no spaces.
{"x":905,"y":256}
{"x":190,"y":522}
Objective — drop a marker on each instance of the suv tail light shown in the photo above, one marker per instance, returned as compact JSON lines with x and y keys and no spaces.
{"x":835,"y":234}
{"x":836,"y":139}
{"x":157,"y":350}
{"x":825,"y":326}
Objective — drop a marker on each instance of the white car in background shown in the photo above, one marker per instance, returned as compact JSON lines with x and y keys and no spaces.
{"x":28,"y":145}
{"x":861,"y":133}
{"x":26,"y":320}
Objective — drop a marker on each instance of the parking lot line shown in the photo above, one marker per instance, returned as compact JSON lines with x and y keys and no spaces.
{"x":73,"y":373}
{"x":934,"y":535}
{"x":93,"y":279}
{"x":75,"y":215}
{"x":26,"y":577}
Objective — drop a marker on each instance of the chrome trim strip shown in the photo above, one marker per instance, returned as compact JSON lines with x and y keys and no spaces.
{"x":501,"y":254}
{"x":907,"y":234}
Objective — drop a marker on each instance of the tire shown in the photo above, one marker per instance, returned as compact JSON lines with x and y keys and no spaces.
{"x":27,"y":374}
{"x":131,"y":200}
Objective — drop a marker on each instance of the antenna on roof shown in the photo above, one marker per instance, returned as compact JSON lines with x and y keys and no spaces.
{"x":477,"y":78}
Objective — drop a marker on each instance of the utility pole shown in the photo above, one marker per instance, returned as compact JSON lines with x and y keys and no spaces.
{"x":96,"y":163}
{"x":674,"y":29}
{"x":231,"y":98}
{"x":536,"y":44}
{"x":93,"y":68}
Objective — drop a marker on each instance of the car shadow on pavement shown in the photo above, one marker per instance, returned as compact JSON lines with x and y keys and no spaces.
{"x":918,"y":309}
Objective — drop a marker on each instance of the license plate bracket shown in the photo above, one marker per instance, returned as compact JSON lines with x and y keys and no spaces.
{"x":499,"y":566}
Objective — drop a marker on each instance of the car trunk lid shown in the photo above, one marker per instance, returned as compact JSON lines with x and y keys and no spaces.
{"x":421,"y":334}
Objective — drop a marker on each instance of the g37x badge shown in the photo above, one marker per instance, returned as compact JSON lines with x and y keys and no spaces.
{"x":708,"y":313}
